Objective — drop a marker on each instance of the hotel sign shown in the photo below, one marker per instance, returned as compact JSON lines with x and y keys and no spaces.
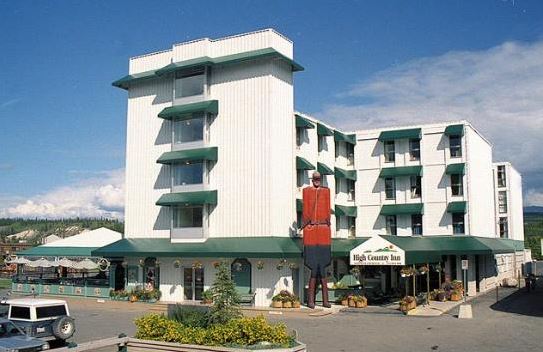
{"x":377,"y":251}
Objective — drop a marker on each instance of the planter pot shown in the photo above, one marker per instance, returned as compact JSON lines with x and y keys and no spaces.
{"x":287,"y":304}
{"x":277,"y":304}
{"x":441,"y":297}
{"x":351,"y":303}
{"x":360,"y":304}
{"x":455,"y":297}
{"x":344,"y":302}
{"x":405,"y":307}
{"x":296,"y":304}
{"x":133,"y":298}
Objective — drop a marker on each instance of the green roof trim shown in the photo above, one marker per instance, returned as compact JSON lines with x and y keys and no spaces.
{"x":454,"y":130}
{"x":299,"y":205}
{"x":180,"y":156}
{"x":411,"y":133}
{"x":342,"y":173}
{"x":322,"y":130}
{"x":302,"y":164}
{"x":342,"y":137}
{"x":324,"y":170}
{"x":401,"y":171}
{"x":457,"y":207}
{"x":457,"y":169}
{"x":231,"y":247}
{"x":125,"y":82}
{"x":344,"y":210}
{"x":302,"y":122}
{"x":343,"y":247}
{"x":50,"y":251}
{"x":402,"y":209}
{"x":188,"y":198}
{"x":185,"y":111}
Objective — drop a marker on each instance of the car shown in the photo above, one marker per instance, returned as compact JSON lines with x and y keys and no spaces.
{"x":46,"y":319}
{"x":13,"y":339}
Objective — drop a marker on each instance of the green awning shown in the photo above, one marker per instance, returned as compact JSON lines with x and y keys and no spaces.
{"x":231,"y":247}
{"x":344,"y":210}
{"x":324,"y":170}
{"x":299,"y":205}
{"x":412,"y":133}
{"x":185,"y":111}
{"x":402,"y":209}
{"x":401,"y":171}
{"x":125,"y":82}
{"x":188,"y":198}
{"x":180,"y":156}
{"x":348,"y":174}
{"x":322,"y":130}
{"x":302,"y":164}
{"x":342,"y":247}
{"x":50,"y":251}
{"x":302,"y":122}
{"x":457,"y":207}
{"x":456,"y":169}
{"x":454,"y":130}
{"x":342,"y":137}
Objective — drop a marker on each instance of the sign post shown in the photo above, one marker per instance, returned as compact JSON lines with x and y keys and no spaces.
{"x":465,"y":264}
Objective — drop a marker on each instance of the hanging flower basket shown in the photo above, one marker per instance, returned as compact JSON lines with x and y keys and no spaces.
{"x":260,"y":265}
{"x":407,"y":271}
{"x":197,"y":265}
{"x":177,"y":263}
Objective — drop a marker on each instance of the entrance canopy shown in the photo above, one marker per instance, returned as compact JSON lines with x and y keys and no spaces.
{"x":403,"y":250}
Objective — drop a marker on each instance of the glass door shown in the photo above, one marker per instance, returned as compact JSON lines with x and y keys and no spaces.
{"x":198,"y":283}
{"x":193,"y":283}
{"x":188,"y":286}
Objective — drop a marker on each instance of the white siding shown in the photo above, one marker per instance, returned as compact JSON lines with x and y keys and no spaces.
{"x":516,"y":222}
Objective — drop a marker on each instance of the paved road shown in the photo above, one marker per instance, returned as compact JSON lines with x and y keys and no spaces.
{"x":514,"y":324}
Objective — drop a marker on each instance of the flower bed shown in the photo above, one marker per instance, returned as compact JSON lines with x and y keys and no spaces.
{"x":136,"y":295}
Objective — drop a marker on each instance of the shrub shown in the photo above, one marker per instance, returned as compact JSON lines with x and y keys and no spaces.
{"x":194,"y":317}
{"x":236,"y":332}
{"x":225,"y":297}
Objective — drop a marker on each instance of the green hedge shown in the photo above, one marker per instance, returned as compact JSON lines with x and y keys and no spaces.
{"x":237,"y":332}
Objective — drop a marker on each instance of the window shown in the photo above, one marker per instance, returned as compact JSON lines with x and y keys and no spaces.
{"x":502,"y":201}
{"x":350,"y":154}
{"x":390,"y":188}
{"x":336,"y":149}
{"x":51,"y":311}
{"x":338,"y":186}
{"x":501,"y":176}
{"x":189,"y":83}
{"x":299,"y":136}
{"x":458,"y":223}
{"x":416,"y":186}
{"x":416,"y":224}
{"x":455,"y":146}
{"x":18,"y":312}
{"x":321,"y":141}
{"x":457,"y":188}
{"x":351,"y":190}
{"x":504,"y":228}
{"x":390,"y":151}
{"x":189,"y":216}
{"x":351,"y":225}
{"x":391,"y":225}
{"x":189,"y":130}
{"x":189,"y":173}
{"x":300,"y":178}
{"x":299,"y":218}
{"x":414,"y":149}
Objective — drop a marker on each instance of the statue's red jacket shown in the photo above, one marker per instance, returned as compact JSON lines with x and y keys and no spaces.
{"x":316,"y":216}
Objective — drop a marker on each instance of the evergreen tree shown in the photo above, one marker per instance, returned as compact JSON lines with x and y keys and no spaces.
{"x":225,"y":297}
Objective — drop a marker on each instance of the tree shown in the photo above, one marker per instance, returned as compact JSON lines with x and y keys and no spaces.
{"x":225,"y":297}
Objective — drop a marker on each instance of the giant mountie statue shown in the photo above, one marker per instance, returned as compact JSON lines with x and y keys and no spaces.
{"x":317,"y":241}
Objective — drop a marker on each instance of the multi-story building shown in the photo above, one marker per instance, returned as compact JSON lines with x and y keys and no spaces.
{"x":217,"y":157}
{"x":508,"y":199}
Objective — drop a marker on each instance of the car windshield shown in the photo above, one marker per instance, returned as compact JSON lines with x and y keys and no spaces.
{"x":8,"y":329}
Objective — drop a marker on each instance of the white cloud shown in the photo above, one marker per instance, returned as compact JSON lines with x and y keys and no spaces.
{"x":499,"y":90}
{"x":92,"y":197}
{"x":533,"y":197}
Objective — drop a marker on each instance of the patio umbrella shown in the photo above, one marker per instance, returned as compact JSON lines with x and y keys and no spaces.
{"x":85,"y":264}
{"x":41,"y":263}
{"x":67,"y":263}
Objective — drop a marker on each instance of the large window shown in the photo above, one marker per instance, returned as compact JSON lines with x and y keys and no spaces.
{"x":299,"y":136}
{"x":351,"y":190}
{"x":416,"y":186}
{"x":391,"y":228}
{"x":321,"y":143}
{"x":189,"y":130}
{"x":189,"y":216}
{"x":502,"y":201}
{"x":457,"y":188}
{"x":455,"y":146}
{"x":390,"y":188}
{"x":190,"y":83}
{"x":414,"y":149}
{"x":504,"y":228}
{"x":458,"y":223}
{"x":390,"y":151}
{"x":416,"y":224}
{"x":300,"y":178}
{"x":501,"y":176}
{"x":190,"y":173}
{"x":350,"y":153}
{"x":351,"y":225}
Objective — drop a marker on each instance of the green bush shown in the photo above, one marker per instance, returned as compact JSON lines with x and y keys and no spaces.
{"x":236,"y":332}
{"x":225,"y":297}
{"x":194,"y":317}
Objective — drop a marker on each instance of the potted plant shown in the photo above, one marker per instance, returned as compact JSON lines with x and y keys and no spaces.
{"x":277,"y":301}
{"x":423,"y":269}
{"x":457,"y":285}
{"x":287,"y":303}
{"x":407,"y":271}
{"x":343,"y":300}
{"x":207,"y":297}
{"x":296,"y":302}
{"x":456,"y":295}
{"x":350,"y":301}
{"x":360,"y":301}
{"x":441,"y":295}
{"x":407,"y":303}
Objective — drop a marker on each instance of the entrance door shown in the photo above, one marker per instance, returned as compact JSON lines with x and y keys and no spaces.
{"x":241,"y":275}
{"x":193,"y":283}
{"x":119,"y":277}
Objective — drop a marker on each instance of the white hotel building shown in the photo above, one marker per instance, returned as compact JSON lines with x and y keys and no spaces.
{"x":217,"y":156}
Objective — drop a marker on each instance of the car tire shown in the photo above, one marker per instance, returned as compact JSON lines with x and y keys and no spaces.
{"x":63,"y":328}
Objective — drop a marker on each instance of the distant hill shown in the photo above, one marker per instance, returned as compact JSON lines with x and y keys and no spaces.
{"x":34,"y":230}
{"x":533,"y":209}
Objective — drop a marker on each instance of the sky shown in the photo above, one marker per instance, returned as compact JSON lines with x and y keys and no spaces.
{"x":367,"y":64}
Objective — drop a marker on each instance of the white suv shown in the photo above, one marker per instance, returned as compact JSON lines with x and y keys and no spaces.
{"x":46,"y":319}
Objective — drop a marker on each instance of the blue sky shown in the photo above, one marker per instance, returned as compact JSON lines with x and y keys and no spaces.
{"x":63,"y":124}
